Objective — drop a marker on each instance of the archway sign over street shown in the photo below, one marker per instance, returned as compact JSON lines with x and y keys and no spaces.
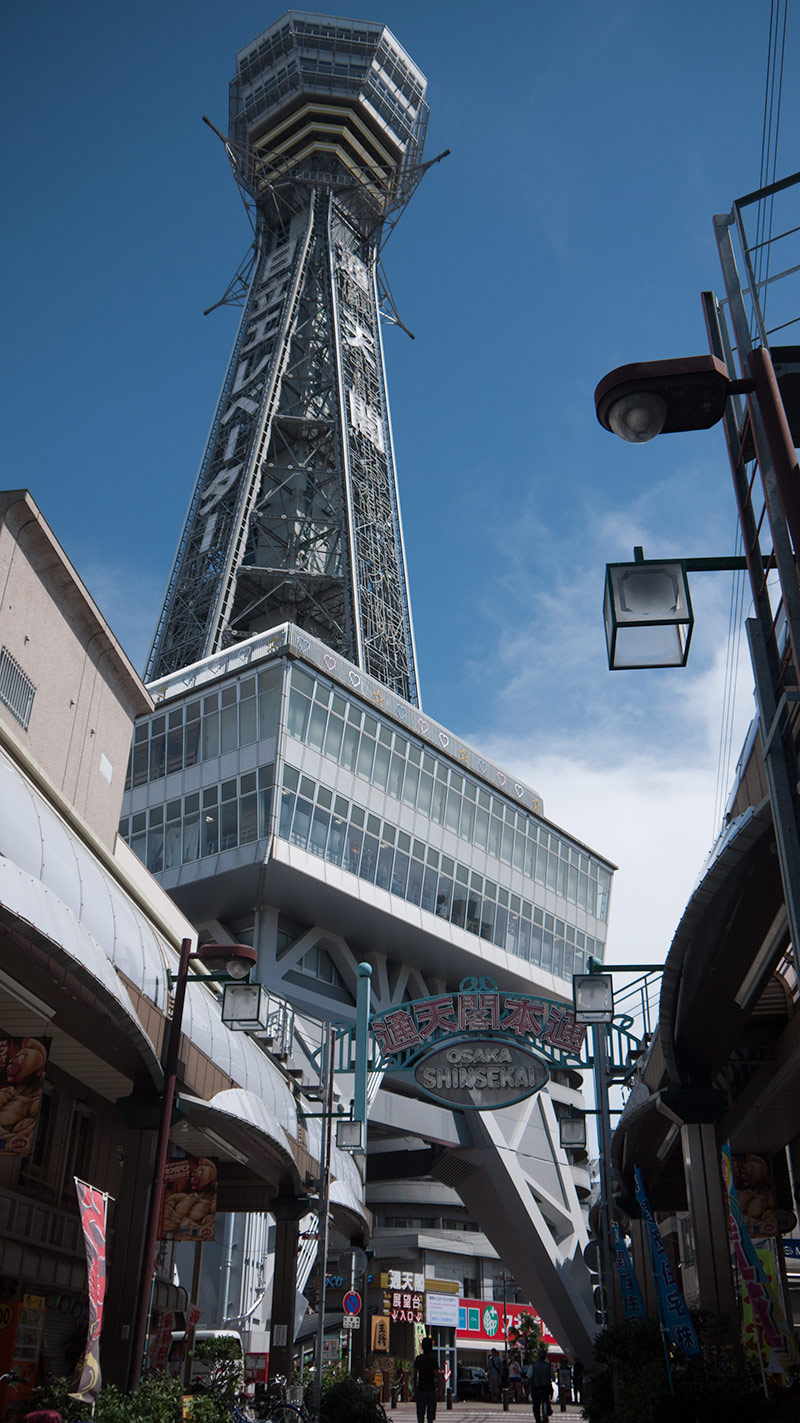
{"x":474,"y":1049}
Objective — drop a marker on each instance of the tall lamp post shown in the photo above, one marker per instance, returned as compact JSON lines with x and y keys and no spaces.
{"x":221,"y":962}
{"x":593,"y":995}
{"x":647,"y":606}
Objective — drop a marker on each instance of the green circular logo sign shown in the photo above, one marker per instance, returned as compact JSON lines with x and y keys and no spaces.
{"x":491,"y":1321}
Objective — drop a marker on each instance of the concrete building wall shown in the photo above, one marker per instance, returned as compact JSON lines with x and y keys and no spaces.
{"x":85,"y":692}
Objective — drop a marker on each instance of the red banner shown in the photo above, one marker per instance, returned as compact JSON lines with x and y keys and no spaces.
{"x":482,"y":1321}
{"x":93,"y":1206}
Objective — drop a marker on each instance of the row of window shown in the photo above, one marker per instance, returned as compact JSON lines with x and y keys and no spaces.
{"x":221,"y":721}
{"x":325,"y":720}
{"x":329,"y":826}
{"x":193,"y":826}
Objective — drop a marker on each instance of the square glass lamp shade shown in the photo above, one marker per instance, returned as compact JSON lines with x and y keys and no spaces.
{"x":350,"y":1135}
{"x":593,"y":997}
{"x":648,"y":614}
{"x":245,"y":1007}
{"x":572,"y":1132}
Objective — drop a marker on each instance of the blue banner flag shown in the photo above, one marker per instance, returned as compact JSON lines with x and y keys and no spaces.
{"x":632,"y":1301}
{"x":672,"y":1305}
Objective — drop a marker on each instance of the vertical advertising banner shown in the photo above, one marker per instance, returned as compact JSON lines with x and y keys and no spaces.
{"x":93,"y":1205}
{"x":190,"y":1199}
{"x":775,"y":1335}
{"x":672,"y":1305}
{"x":22,"y":1064}
{"x":632,"y":1301}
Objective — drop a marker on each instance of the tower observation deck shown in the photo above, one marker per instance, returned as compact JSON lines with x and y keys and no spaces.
{"x":295,"y":515}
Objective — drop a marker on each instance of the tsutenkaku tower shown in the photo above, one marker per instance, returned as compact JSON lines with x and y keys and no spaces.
{"x":295,"y":515}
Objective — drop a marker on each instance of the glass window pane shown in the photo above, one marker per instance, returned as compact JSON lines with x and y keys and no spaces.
{"x":302,"y":681}
{"x":353,"y":848}
{"x":369,"y":858}
{"x":229,"y":825}
{"x":269,"y":700}
{"x":210,"y":828}
{"x":301,"y":822}
{"x":247,"y":721}
{"x":158,"y":756}
{"x":385,"y":859}
{"x":444,"y":896}
{"x":192,"y":747}
{"x":414,"y":886}
{"x":336,"y":840}
{"x":140,"y":764}
{"x":248,"y":818}
{"x":333,"y":737}
{"x":411,"y":782}
{"x":380,"y":769}
{"x":350,"y":747}
{"x":191,"y":836}
{"x":429,"y":889}
{"x":316,"y":726}
{"x":210,"y":733}
{"x":400,"y":874}
{"x":319,"y":832}
{"x":366,"y":752}
{"x":396,"y":770}
{"x":299,"y":709}
{"x":287,"y":810}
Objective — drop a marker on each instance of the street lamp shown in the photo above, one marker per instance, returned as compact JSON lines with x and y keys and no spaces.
{"x":643,"y":400}
{"x":593,"y":998}
{"x":221,"y":962}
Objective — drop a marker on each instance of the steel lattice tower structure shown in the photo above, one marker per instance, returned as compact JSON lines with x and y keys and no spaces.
{"x":295,"y":515}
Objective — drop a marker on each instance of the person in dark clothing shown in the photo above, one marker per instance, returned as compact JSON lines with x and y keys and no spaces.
{"x":541,"y":1382}
{"x":425,"y":1377}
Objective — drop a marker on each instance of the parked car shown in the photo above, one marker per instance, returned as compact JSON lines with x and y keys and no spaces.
{"x":473,"y":1382}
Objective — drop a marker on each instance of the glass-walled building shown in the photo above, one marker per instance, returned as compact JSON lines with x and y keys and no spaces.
{"x":286,"y":799}
{"x":280,"y":742}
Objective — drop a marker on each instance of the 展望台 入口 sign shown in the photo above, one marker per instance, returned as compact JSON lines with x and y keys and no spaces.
{"x":478,"y":1048}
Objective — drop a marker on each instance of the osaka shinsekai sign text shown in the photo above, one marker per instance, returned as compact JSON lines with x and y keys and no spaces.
{"x":502,"y":1026}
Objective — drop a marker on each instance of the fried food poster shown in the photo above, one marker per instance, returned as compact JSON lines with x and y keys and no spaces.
{"x":190,"y":1199}
{"x":22,"y":1064}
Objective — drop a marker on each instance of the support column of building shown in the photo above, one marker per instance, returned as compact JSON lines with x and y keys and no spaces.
{"x":125,"y":1260}
{"x":708,"y":1212}
{"x":287,"y":1211}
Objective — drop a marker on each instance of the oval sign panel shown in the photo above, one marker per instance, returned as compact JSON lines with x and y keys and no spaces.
{"x":481,"y":1073}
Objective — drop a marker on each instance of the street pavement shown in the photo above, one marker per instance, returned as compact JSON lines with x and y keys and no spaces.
{"x":483,"y":1413}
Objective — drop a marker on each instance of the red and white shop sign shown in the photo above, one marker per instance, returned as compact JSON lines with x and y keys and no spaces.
{"x":487,"y":1321}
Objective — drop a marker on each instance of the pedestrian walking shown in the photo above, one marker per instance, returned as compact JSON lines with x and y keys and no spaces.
{"x":425,"y":1379}
{"x":564,"y":1380}
{"x":541,"y":1381}
{"x":495,"y":1376}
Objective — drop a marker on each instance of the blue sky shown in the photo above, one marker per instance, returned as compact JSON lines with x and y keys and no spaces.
{"x":569,"y":232}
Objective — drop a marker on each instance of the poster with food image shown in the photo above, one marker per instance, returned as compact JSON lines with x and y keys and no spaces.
{"x":22,"y":1065}
{"x":752,"y":1178}
{"x":190,"y":1199}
